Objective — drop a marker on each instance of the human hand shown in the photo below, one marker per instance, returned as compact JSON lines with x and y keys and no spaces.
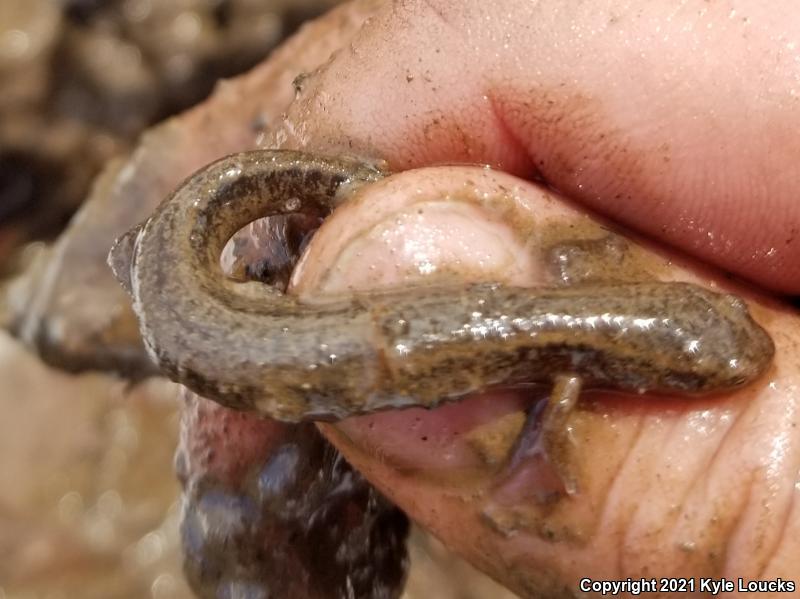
{"x":677,"y":123}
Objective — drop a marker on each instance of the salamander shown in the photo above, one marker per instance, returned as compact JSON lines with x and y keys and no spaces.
{"x":251,"y":346}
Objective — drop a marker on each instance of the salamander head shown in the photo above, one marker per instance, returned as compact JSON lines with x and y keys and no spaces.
{"x":755,"y":347}
{"x":737,"y":350}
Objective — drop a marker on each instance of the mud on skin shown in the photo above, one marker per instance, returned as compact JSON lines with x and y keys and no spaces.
{"x":605,"y":333}
{"x":294,"y":359}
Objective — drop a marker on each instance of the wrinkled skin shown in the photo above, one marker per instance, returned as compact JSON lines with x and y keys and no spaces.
{"x":662,"y":481}
{"x":673,"y":488}
{"x":656,"y":118}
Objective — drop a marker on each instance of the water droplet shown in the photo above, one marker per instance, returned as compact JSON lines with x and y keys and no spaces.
{"x":400,"y":327}
{"x":222,"y":516}
{"x":232,"y":172}
{"x":280,"y":474}
{"x":164,"y":587}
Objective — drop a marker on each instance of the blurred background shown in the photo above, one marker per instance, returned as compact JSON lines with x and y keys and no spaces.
{"x":81,"y":79}
{"x":89,"y":505}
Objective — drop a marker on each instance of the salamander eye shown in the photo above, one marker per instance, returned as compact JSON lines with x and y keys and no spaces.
{"x":737,"y":380}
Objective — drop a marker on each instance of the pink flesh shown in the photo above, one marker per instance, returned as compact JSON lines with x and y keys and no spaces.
{"x":671,"y":485}
{"x":677,"y":120}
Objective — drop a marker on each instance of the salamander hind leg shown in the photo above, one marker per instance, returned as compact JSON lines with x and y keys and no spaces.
{"x":544,"y":450}
{"x":556,"y":434}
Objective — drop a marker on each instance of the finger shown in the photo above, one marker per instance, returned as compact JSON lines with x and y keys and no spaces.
{"x":677,"y":121}
{"x":673,"y":486}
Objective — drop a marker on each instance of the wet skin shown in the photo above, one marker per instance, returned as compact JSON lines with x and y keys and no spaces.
{"x":665,"y":157}
{"x":646,"y":465}
{"x":633,"y":118}
{"x":301,"y":360}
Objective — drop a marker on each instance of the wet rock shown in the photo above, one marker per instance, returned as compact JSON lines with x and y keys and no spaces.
{"x":281,"y":513}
